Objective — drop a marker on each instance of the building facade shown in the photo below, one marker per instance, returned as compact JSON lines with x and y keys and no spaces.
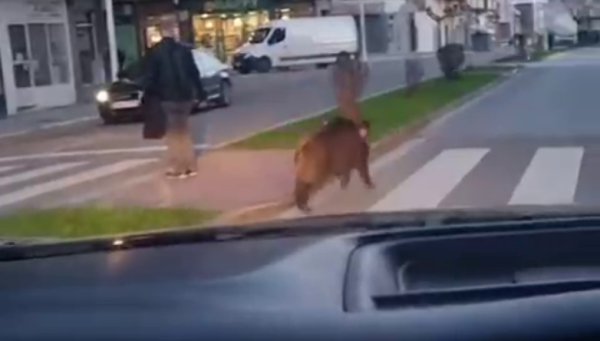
{"x":35,"y":56}
{"x":89,"y":40}
{"x":218,"y":25}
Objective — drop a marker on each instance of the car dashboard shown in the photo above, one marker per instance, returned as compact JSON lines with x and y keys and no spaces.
{"x":536,"y":280}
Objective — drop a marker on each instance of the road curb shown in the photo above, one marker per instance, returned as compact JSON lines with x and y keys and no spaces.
{"x":265,"y":211}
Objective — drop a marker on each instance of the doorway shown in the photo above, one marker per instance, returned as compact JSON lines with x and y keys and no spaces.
{"x":41,"y":64}
{"x":86,"y":47}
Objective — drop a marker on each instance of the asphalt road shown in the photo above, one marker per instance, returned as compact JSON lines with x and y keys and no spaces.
{"x":260,"y":101}
{"x":534,"y":140}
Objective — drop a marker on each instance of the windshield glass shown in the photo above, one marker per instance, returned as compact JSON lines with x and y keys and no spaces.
{"x":259,"y":35}
{"x":314,"y":123}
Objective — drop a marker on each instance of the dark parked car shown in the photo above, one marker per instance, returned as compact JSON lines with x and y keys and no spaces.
{"x":124,"y":98}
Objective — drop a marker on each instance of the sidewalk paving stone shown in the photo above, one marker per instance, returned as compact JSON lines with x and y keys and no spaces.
{"x":227,"y":180}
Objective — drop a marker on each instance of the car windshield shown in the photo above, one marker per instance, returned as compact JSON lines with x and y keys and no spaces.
{"x":317,"y":121}
{"x":259,"y":35}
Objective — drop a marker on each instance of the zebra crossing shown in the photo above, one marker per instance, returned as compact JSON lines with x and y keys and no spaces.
{"x":459,"y":177}
{"x":446,"y":177}
{"x":20,"y":182}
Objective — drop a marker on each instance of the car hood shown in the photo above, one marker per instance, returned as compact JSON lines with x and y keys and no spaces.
{"x":124,"y":85}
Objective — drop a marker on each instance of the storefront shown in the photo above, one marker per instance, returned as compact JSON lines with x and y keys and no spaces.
{"x":35,"y":53}
{"x":218,"y":25}
{"x":225,"y":25}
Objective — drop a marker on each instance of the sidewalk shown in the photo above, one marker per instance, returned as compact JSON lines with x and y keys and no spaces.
{"x":35,"y":120}
{"x":227,"y":180}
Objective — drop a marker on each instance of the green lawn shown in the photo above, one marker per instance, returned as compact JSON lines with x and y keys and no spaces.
{"x":93,"y":221}
{"x":539,"y":55}
{"x":386,"y":113}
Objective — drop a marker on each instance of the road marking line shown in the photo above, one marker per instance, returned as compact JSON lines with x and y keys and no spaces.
{"x":36,"y":173}
{"x":100,"y":193}
{"x":100,"y":152}
{"x":550,"y":178}
{"x":4,"y":169}
{"x":69,"y":122}
{"x":394,"y":155}
{"x":68,"y":181}
{"x":429,"y":185}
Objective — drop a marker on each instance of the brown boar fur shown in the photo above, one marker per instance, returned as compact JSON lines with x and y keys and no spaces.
{"x":339,"y":147}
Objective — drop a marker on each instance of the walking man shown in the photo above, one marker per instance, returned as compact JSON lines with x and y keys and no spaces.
{"x":171,"y":76}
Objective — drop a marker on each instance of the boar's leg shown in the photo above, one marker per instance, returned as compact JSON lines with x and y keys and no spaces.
{"x":344,"y":179}
{"x":363,"y":169}
{"x":302,"y":192}
{"x":365,"y":176}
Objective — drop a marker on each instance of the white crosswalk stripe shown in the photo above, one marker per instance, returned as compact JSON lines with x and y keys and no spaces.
{"x":429,"y":186}
{"x":5,"y":169}
{"x":38,"y":172}
{"x":62,"y":183}
{"x":461,"y":176}
{"x":550,"y":178}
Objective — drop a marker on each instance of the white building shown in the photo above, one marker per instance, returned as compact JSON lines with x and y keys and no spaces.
{"x":35,"y":55}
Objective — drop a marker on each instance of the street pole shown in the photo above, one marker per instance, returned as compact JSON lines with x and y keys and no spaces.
{"x":363,"y":32}
{"x":112,"y":42}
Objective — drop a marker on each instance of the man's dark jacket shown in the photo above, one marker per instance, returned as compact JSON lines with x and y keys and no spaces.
{"x":170,"y":75}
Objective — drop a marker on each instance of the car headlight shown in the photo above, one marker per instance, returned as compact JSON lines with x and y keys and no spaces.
{"x":102,"y":96}
{"x":224,"y":74}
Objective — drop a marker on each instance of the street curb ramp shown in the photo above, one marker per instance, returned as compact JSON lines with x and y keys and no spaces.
{"x":265,"y":211}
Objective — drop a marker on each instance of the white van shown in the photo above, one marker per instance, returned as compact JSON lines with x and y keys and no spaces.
{"x":297,"y":41}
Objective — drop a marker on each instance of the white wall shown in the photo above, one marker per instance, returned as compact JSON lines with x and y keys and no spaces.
{"x":505,"y":11}
{"x":24,"y":12}
{"x":426,"y":32}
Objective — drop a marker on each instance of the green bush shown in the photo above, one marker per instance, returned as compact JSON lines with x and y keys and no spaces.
{"x":451,"y":58}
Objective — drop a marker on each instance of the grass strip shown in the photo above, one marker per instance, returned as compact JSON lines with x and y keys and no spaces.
{"x":93,"y":221}
{"x":387,"y":113}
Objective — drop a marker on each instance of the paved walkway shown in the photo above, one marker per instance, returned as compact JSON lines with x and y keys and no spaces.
{"x":227,"y":180}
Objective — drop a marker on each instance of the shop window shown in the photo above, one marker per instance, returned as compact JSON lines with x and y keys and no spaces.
{"x":58,"y":50}
{"x":224,"y":33}
{"x":156,"y":25}
{"x":40,"y":54}
{"x":277,"y":36}
{"x":20,"y":53}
